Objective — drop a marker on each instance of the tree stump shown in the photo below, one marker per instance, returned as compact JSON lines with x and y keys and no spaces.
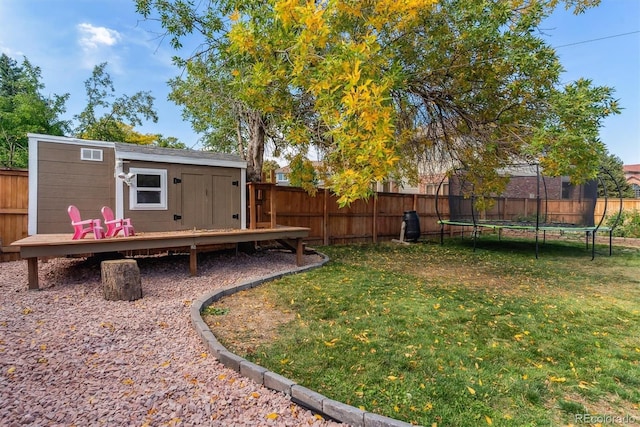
{"x":121,"y":280}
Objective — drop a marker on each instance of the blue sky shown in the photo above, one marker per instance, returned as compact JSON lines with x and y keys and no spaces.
{"x":67,"y":38}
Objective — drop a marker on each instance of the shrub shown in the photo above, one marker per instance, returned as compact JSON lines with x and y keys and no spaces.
{"x":628,"y":225}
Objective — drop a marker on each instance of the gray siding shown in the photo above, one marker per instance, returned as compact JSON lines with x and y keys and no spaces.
{"x":64,"y":179}
{"x":205,"y":199}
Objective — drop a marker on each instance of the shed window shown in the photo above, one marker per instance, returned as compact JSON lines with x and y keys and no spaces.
{"x":149,"y":189}
{"x":91,"y":154}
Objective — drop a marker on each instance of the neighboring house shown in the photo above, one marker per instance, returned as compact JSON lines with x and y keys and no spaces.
{"x":632,"y":175}
{"x":282,"y":174}
{"x":160,"y":189}
{"x":434,"y":183}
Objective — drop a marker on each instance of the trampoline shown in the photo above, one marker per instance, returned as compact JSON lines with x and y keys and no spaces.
{"x":530,"y":202}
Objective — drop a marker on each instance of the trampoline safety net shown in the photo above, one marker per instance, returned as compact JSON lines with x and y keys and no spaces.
{"x":530,"y":199}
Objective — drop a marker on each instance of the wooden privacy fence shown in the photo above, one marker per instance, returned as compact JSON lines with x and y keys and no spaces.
{"x":373,"y":220}
{"x":613,"y":205}
{"x":380,"y":217}
{"x":14,"y":197}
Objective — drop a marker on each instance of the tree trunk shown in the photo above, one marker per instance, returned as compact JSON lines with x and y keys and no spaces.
{"x":121,"y":280}
{"x":255,"y":150}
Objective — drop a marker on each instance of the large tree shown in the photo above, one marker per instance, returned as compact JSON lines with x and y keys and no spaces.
{"x":110,"y":118}
{"x":378,"y":83}
{"x":23,"y":110}
{"x":614,"y":183}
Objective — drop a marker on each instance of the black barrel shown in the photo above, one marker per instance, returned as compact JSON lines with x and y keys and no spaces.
{"x":411,"y":226}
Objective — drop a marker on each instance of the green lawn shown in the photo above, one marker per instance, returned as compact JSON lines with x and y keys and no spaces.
{"x":441,"y":334}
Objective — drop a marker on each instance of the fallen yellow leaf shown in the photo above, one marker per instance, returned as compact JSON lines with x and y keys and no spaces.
{"x":272,"y":416}
{"x":471,"y":390}
{"x":557,"y":380}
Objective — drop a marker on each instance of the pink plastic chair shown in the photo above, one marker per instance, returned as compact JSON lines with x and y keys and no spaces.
{"x":81,"y":228}
{"x":115,"y":225}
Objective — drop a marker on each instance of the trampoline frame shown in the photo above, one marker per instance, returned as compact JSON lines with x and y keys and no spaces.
{"x":538,"y":226}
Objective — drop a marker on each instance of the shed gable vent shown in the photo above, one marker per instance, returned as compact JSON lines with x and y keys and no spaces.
{"x":91,"y":154}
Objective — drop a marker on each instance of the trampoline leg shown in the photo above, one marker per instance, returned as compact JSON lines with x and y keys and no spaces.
{"x":593,"y":246}
{"x":475,"y":235}
{"x":610,"y":242}
{"x":537,"y":244}
{"x":544,"y":237}
{"x":442,"y":234}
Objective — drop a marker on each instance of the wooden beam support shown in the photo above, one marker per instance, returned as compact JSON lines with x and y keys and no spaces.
{"x":193,"y":260}
{"x":299,"y":252}
{"x":32,"y":266}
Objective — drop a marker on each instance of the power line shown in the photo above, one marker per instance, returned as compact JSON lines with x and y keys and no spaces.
{"x":598,"y":39}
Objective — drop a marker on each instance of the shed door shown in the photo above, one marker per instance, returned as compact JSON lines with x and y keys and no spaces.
{"x":210,"y":201}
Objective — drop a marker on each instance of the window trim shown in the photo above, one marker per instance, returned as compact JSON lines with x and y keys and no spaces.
{"x":133,"y":190}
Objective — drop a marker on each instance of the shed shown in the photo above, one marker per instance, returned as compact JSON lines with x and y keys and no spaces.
{"x":160,"y":189}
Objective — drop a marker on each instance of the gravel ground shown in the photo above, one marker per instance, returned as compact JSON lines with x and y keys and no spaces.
{"x":69,"y":357}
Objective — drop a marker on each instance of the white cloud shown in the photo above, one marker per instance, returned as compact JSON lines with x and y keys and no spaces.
{"x":13,"y":54}
{"x":98,"y":45}
{"x":92,"y":38}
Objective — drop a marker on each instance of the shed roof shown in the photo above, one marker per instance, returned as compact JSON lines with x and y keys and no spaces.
{"x":175,"y":155}
{"x":124,"y":151}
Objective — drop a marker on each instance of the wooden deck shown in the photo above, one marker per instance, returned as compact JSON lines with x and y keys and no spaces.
{"x":58,"y":245}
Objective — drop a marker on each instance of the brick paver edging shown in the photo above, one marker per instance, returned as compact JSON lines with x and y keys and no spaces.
{"x":303,"y":396}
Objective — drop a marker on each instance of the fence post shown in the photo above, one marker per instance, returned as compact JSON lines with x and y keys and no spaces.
{"x":375,"y":218}
{"x":252,"y":207}
{"x":272,"y":201}
{"x":325,"y":218}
